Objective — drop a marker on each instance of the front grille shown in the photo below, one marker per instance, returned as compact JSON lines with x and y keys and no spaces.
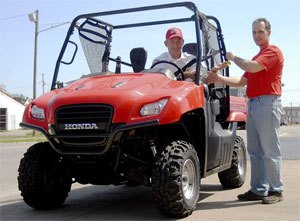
{"x":83,"y":125}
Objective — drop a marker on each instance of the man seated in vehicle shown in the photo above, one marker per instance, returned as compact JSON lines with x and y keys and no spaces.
{"x":174,"y":42}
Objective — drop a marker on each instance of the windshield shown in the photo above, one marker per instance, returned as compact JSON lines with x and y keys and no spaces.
{"x":95,"y":41}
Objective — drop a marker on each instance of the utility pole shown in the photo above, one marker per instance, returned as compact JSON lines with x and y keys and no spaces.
{"x":43,"y":83}
{"x":34,"y":17}
{"x":291,"y":112}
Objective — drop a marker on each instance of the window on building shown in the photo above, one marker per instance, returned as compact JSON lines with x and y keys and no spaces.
{"x":3,"y":118}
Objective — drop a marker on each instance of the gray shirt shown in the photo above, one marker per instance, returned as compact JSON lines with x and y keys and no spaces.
{"x":180,"y":62}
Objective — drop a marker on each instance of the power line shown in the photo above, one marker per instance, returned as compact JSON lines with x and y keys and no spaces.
{"x":52,"y":24}
{"x":13,"y":17}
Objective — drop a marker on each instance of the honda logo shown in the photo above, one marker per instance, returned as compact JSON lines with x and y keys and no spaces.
{"x":82,"y":126}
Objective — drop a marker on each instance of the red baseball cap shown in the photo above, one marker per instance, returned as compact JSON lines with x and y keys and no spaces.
{"x":174,"y":32}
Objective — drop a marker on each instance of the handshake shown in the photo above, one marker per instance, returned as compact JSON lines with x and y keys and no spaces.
{"x":212,"y":76}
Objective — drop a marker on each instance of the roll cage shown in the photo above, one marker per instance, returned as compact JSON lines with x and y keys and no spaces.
{"x":96,"y":34}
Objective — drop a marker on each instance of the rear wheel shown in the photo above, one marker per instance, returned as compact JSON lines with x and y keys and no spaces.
{"x":235,"y":176}
{"x":43,"y":181}
{"x":176,"y":180}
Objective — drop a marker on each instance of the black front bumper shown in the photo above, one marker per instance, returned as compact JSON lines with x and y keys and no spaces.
{"x":110,"y":138}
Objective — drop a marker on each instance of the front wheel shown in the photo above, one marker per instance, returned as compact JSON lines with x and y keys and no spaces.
{"x":176,"y":180}
{"x":43,"y":180}
{"x":235,"y":176}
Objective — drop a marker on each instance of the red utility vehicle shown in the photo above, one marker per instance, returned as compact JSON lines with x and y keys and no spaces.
{"x":144,"y":125}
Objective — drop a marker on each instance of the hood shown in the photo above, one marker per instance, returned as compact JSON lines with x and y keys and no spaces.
{"x":126,"y":93}
{"x":115,"y":89}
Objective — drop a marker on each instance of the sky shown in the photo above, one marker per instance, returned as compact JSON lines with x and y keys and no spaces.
{"x":235,"y":16}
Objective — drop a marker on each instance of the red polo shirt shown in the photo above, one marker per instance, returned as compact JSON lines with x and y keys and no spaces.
{"x":267,"y":81}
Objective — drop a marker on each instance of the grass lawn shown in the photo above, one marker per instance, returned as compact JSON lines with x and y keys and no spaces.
{"x":28,"y":137}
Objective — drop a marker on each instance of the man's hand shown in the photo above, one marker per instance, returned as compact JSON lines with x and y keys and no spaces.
{"x":189,"y":74}
{"x":212,"y":77}
{"x":221,"y":66}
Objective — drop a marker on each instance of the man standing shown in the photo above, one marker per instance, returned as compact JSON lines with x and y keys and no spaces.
{"x":263,"y":80}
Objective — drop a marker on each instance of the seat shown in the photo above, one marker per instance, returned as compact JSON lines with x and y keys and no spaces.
{"x":190,"y":48}
{"x":138,"y":58}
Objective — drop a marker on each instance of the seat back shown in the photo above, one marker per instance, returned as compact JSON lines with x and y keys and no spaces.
{"x":138,"y":58}
{"x":190,"y":48}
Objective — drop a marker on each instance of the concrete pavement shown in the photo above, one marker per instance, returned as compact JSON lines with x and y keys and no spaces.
{"x":119,"y":203}
{"x":220,"y":204}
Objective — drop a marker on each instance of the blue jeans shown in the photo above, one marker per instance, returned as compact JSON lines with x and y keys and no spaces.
{"x":263,"y":122}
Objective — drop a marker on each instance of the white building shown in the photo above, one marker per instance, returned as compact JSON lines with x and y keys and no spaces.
{"x":11,"y":112}
{"x":291,"y":115}
{"x":238,"y":91}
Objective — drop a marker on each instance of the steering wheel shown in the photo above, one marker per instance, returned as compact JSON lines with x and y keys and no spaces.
{"x":189,"y":64}
{"x":179,"y":73}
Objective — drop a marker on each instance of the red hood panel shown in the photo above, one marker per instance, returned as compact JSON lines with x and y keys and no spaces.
{"x":126,"y":93}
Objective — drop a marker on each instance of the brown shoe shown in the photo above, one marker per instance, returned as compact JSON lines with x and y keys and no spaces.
{"x":273,"y":197}
{"x":250,"y":196}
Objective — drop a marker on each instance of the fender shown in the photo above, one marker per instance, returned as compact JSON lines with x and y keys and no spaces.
{"x":238,"y":109}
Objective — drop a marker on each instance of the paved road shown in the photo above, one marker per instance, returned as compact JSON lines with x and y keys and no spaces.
{"x":135,"y":203}
{"x":289,"y":139}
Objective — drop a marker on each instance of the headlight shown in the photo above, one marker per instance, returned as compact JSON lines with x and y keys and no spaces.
{"x":37,"y":112}
{"x":153,"y":108}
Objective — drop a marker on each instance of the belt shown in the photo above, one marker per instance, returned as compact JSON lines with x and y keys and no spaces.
{"x":264,"y":96}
